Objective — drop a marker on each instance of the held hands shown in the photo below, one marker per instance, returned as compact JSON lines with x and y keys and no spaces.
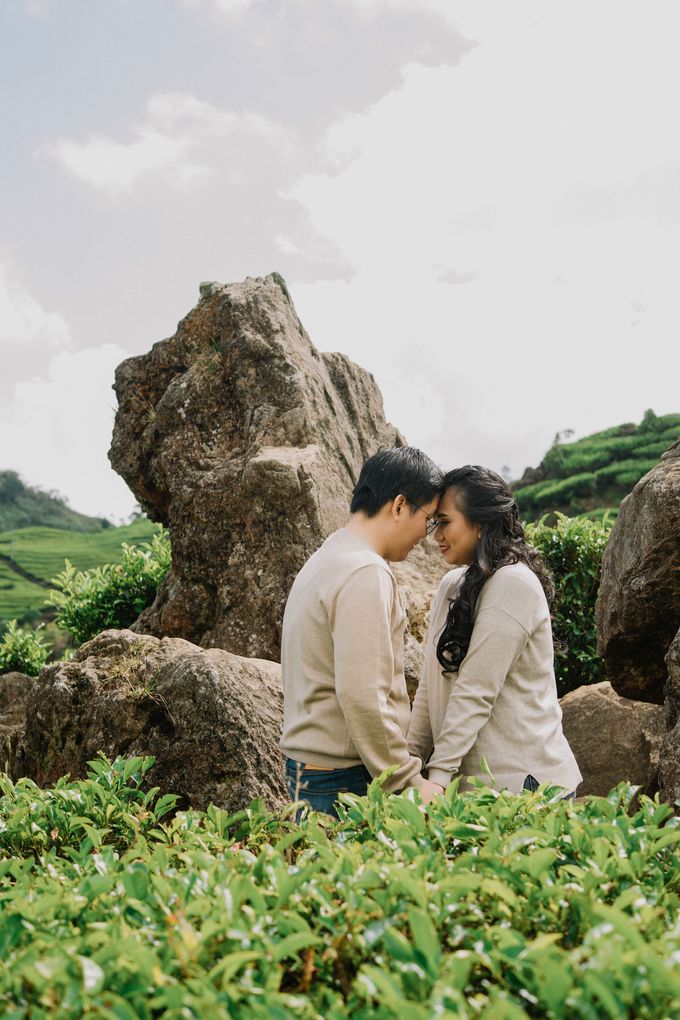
{"x":429,"y":790}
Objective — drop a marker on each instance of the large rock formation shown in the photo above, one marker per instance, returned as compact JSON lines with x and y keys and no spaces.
{"x":638,"y":606}
{"x":211,"y":719}
{"x":613,"y":739}
{"x":244,"y":440}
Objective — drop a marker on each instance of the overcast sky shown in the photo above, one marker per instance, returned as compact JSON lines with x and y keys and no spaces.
{"x":476,"y":200}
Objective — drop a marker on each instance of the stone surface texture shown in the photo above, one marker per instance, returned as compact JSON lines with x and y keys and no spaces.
{"x":15,"y":690}
{"x":614,"y":739}
{"x":638,"y":606}
{"x":669,"y":764}
{"x":211,"y":719}
{"x":246,"y":442}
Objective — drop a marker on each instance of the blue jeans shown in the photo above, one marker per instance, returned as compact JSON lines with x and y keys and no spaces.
{"x":320,"y":788}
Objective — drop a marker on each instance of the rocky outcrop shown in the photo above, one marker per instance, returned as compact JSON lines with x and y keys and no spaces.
{"x":613,"y":739}
{"x":638,"y":606}
{"x":246,"y":441}
{"x":669,"y":764}
{"x":211,"y":719}
{"x":15,"y":690}
{"x":416,"y":597}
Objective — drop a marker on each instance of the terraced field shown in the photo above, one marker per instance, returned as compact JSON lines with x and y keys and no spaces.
{"x":595,"y":473}
{"x":31,"y":557}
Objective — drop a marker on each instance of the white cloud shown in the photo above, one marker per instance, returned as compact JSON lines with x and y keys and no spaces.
{"x":513,"y":227}
{"x":228,"y":8}
{"x":367,"y":9}
{"x":22,"y":319}
{"x":56,"y":431}
{"x":177,"y":142}
{"x":37,"y":7}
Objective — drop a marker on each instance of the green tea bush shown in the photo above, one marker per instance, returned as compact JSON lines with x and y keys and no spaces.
{"x":22,"y":650}
{"x":486,"y":905}
{"x":573,"y":551}
{"x":113,"y":595}
{"x":634,"y":466}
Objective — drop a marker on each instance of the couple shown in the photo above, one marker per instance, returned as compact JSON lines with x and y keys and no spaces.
{"x":487,"y":690}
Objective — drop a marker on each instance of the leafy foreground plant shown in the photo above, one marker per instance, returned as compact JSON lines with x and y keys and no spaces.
{"x":487,"y":905}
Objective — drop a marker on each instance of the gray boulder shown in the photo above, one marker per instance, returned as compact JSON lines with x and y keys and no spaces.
{"x":669,"y":764}
{"x":613,"y":739}
{"x":211,"y":719}
{"x":15,"y":690}
{"x":638,"y":605}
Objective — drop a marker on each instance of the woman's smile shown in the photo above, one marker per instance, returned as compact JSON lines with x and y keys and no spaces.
{"x":456,"y":536}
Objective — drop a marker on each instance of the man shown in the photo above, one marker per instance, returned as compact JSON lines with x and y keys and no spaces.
{"x":346,"y":708}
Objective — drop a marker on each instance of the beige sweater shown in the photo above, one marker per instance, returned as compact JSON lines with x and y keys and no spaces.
{"x":342,"y":650}
{"x":502,"y":703}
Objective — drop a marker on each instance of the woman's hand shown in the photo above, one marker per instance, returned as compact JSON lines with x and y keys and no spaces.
{"x":429,"y":790}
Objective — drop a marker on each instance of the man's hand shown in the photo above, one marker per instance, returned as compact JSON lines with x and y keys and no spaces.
{"x":429,"y":790}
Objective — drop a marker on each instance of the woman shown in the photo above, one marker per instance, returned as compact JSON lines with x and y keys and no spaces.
{"x":487,"y":692}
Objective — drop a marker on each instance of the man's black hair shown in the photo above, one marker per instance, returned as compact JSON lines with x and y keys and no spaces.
{"x":403,"y":470}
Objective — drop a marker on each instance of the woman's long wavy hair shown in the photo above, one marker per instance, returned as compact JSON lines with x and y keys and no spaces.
{"x":484,"y":498}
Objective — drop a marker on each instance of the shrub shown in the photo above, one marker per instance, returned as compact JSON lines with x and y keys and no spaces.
{"x":22,"y":650}
{"x":113,"y":595}
{"x":487,"y":906}
{"x":573,"y":551}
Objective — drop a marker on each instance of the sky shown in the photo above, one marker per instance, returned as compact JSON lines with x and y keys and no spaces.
{"x":478,"y":201}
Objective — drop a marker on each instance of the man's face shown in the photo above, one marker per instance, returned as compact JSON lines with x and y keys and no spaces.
{"x":410,"y":527}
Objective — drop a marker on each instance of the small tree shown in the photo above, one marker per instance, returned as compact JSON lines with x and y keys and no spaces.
{"x":650,"y":422}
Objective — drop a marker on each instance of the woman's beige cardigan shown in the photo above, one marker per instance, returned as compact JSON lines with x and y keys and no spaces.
{"x":501,"y":705}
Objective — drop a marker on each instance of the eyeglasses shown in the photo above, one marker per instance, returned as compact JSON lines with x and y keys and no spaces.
{"x":432,"y":522}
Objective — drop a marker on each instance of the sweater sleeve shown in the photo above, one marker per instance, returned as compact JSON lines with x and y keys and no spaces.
{"x":420,"y":736}
{"x":497,"y":641}
{"x":364,"y":673}
{"x":420,"y":740}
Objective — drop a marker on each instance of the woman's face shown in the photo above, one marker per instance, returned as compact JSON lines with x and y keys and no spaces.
{"x":456,"y":536}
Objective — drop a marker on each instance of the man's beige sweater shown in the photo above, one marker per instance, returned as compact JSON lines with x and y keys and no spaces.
{"x":342,"y":651}
{"x":501,"y":705}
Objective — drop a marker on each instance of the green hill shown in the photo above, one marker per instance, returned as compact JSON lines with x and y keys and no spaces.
{"x":595,"y":473}
{"x":30,"y":557}
{"x":22,"y":506}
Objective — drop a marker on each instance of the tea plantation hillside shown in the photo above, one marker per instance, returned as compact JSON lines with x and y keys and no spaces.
{"x":594,"y":474}
{"x":31,"y":557}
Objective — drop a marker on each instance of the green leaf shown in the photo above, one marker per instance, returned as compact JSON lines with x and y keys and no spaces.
{"x":425,"y":939}
{"x":292,"y":944}
{"x":229,"y":966}
{"x":539,"y":861}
